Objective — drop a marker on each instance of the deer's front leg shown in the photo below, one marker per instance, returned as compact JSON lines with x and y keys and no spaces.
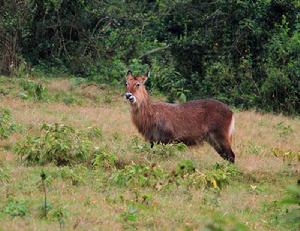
{"x":152,"y":144}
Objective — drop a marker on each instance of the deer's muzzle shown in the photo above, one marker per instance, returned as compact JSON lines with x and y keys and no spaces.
{"x":130,"y":97}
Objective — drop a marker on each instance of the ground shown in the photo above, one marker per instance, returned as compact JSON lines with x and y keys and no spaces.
{"x":85,"y":196}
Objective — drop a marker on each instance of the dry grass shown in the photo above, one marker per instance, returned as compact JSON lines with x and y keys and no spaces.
{"x":97,"y":206}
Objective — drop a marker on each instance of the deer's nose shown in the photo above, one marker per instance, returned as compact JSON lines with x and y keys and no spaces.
{"x":128,"y":95}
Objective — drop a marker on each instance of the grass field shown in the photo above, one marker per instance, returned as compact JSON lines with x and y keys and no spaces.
{"x":116,"y":182}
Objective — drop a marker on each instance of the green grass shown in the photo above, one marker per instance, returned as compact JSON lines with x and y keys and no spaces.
{"x":110,"y":179}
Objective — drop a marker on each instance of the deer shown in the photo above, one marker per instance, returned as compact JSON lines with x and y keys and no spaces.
{"x":192,"y":122}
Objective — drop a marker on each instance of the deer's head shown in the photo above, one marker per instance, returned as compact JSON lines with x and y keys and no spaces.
{"x":135,"y":88}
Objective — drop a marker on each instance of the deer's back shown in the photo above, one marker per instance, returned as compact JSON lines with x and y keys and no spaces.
{"x":191,"y":122}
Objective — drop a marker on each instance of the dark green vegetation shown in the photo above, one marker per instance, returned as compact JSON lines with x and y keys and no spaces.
{"x":79,"y":164}
{"x":243,"y":52}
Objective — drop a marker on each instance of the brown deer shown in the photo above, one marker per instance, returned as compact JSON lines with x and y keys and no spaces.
{"x":191,"y":123}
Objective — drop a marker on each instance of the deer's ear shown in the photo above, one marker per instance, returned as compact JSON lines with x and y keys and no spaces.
{"x":145,"y":76}
{"x":129,"y":73}
{"x":144,"y":79}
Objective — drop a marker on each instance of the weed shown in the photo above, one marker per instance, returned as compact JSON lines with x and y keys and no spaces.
{"x":117,"y":137}
{"x":223,"y":223}
{"x":4,"y":175}
{"x":196,"y":180}
{"x":107,"y":99}
{"x":33,"y":90}
{"x":7,"y":126}
{"x":256,"y":189}
{"x":104,"y":159}
{"x":284,"y":130}
{"x":68,"y":98}
{"x":75,"y":174}
{"x":215,"y":178}
{"x":285,"y":211}
{"x":163,"y":150}
{"x":59,"y":214}
{"x":292,"y":196}
{"x":16,"y":208}
{"x":254,"y":149}
{"x":43,"y":178}
{"x":72,"y":174}
{"x":94,"y":132}
{"x":286,"y":155}
{"x":130,"y":214}
{"x":78,"y":81}
{"x":185,"y":174}
{"x":44,"y":209}
{"x":71,"y":99}
{"x":185,"y":167}
{"x":138,"y":175}
{"x":221,"y":174}
{"x":58,"y":143}
{"x":292,"y":199}
{"x":4,"y":91}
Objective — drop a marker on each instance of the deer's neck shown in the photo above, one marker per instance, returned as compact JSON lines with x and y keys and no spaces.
{"x":142,"y":115}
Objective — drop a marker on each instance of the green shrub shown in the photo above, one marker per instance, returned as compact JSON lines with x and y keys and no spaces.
{"x":68,"y":98}
{"x":59,"y":214}
{"x":185,"y":175}
{"x":130,"y":215}
{"x":75,"y":175}
{"x":32,"y":90}
{"x":58,"y":143}
{"x":292,"y":200}
{"x":162,"y":150}
{"x":138,"y":175}
{"x":284,"y":130}
{"x":286,"y":155}
{"x":185,"y":167}
{"x":280,"y":90}
{"x":223,"y":223}
{"x":216,"y":178}
{"x":16,"y":207}
{"x":94,"y":132}
{"x":104,"y":159}
{"x":4,"y":175}
{"x":221,"y":174}
{"x":7,"y":126}
{"x":165,"y":78}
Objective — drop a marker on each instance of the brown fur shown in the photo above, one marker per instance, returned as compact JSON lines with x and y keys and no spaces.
{"x":191,"y":123}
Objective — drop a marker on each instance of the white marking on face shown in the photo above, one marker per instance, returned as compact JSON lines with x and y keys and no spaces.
{"x":132,"y":99}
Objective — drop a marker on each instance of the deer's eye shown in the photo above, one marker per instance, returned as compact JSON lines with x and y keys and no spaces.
{"x":138,"y":84}
{"x":126,"y":84}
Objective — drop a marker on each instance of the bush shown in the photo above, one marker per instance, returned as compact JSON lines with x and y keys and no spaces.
{"x":221,"y":222}
{"x":292,"y":199}
{"x":185,"y":167}
{"x":162,"y":150}
{"x":221,"y":174}
{"x":32,"y":90}
{"x":138,"y":175}
{"x":7,"y":126}
{"x":280,"y":89}
{"x":16,"y":208}
{"x":104,"y":159}
{"x":58,"y":143}
{"x":4,"y":176}
{"x":185,"y":175}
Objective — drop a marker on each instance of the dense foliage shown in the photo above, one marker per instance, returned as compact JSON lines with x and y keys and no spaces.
{"x":243,"y":52}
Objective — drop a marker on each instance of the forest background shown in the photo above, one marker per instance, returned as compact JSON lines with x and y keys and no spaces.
{"x":243,"y":52}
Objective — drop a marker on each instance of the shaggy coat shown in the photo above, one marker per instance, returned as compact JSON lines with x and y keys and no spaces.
{"x":191,"y":123}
